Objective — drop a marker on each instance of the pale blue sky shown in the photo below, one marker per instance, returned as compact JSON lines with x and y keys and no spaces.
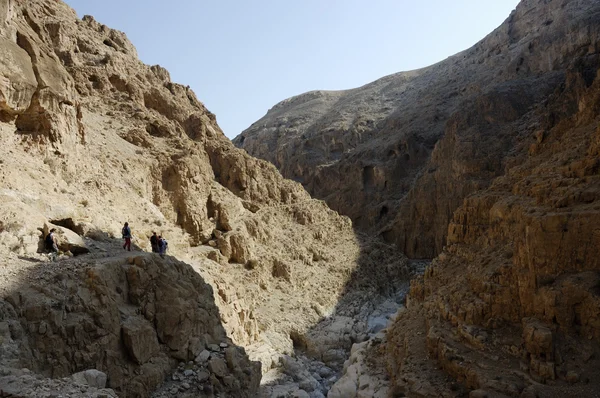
{"x":242,"y":57}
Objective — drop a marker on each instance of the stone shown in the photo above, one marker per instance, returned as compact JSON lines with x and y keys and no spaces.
{"x":345,"y":387}
{"x":139,"y":337}
{"x":195,"y":346}
{"x":67,"y":240}
{"x":202,"y":357}
{"x":538,"y":338}
{"x":90,"y":377}
{"x":43,"y":328}
{"x":572,"y":377}
{"x":218,"y":367}
{"x":325,"y":372}
{"x":300,"y":394}
{"x":529,"y":392}
{"x":202,"y":376}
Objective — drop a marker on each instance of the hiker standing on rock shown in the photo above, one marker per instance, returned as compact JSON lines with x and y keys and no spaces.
{"x":162,"y":246}
{"x":126,"y":232}
{"x":154,"y":242}
{"x":51,"y":245}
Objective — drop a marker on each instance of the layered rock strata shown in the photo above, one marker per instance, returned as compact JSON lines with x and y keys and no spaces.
{"x":489,"y":159}
{"x":133,"y":317}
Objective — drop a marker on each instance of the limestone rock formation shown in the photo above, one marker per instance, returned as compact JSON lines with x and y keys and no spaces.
{"x":93,"y":138}
{"x":512,"y":304}
{"x":400,"y":154}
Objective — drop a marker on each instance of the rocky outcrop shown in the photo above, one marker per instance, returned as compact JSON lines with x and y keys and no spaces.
{"x":511,"y":305}
{"x":400,"y":154}
{"x":78,"y":315}
{"x":24,"y":383}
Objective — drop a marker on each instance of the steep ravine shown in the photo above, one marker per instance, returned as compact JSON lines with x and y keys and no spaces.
{"x":512,"y":304}
{"x":260,"y":273}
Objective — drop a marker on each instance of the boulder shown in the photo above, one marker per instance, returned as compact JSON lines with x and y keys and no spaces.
{"x":139,"y":338}
{"x":90,"y":377}
{"x":218,"y":367}
{"x":68,"y":240}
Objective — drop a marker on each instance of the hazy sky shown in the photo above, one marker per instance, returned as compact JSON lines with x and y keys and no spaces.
{"x":242,"y":57}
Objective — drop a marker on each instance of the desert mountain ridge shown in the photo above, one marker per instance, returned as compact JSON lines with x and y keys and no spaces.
{"x":267,"y":292}
{"x":372,"y":152}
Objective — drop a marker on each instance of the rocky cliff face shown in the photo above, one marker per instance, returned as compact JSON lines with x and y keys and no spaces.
{"x":399,"y":154}
{"x":135,"y":318}
{"x":91,"y":138}
{"x":511,"y":305}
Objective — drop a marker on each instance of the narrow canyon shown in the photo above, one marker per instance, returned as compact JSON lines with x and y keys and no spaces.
{"x":435,"y":233}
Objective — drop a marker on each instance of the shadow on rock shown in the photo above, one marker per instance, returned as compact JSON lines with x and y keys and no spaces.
{"x":133,"y":317}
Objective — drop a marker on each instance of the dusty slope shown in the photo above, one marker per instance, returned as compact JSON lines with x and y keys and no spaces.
{"x":93,"y":138}
{"x":383,"y":153}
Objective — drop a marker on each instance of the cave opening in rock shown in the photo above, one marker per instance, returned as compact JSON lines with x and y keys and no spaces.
{"x":68,"y":223}
{"x":383,"y":212}
{"x":368,"y":176}
{"x":298,"y":340}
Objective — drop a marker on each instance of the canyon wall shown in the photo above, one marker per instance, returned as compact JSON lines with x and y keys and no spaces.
{"x":399,"y":155}
{"x":488,"y":163}
{"x":511,"y":306}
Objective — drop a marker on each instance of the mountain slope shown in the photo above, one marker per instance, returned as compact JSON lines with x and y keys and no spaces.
{"x":375,"y":153}
{"x":511,"y":306}
{"x":93,"y":138}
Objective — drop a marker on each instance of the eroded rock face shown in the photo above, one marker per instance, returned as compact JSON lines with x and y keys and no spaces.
{"x":513,"y":300}
{"x":400,"y":154}
{"x":93,"y":138}
{"x":489,"y":159}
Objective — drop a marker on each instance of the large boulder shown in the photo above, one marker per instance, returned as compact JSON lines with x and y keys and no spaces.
{"x":67,"y":240}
